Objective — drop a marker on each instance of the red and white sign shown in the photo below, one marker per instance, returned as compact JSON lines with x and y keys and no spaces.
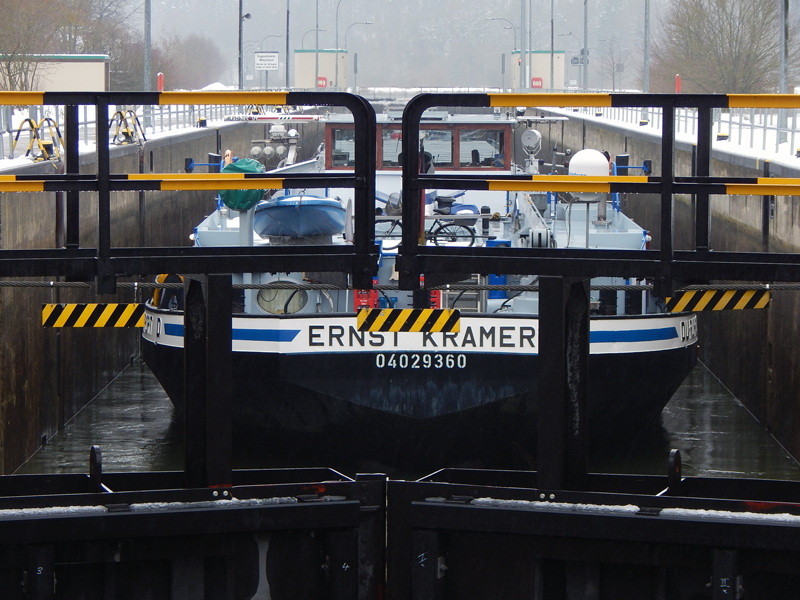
{"x":322,"y":82}
{"x":537,"y":82}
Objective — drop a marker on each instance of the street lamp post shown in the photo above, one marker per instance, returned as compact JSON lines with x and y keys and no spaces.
{"x":287,"y":45}
{"x":581,"y":57}
{"x":242,"y":18}
{"x":513,"y":28}
{"x":303,"y":40}
{"x":510,"y":23}
{"x":336,"y":77}
{"x":348,"y":31}
{"x":261,"y":47}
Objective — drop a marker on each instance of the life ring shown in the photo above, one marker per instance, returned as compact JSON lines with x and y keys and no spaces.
{"x":170,"y":298}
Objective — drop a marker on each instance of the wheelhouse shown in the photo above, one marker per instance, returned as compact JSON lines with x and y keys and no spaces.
{"x":453,"y":144}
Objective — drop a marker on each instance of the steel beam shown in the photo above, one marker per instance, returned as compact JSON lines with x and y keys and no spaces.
{"x":562,"y":385}
{"x":207,"y":392}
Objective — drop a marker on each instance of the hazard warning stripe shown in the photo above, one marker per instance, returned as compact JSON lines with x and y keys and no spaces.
{"x":422,"y":320}
{"x":93,"y":315}
{"x":709,"y":300}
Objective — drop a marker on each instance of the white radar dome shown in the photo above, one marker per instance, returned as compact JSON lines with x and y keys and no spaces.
{"x":589,"y":162}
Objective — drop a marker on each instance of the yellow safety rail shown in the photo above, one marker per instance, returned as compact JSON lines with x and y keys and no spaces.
{"x":129,"y":129}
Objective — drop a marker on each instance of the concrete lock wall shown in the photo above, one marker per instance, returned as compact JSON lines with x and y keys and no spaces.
{"x":47,"y":375}
{"x":751,"y":352}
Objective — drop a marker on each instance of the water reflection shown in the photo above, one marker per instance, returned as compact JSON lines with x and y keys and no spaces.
{"x":131,"y":420}
{"x":715,"y":433}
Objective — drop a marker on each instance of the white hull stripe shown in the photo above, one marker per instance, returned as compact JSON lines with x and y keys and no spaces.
{"x":595,"y":337}
{"x":339,"y":334}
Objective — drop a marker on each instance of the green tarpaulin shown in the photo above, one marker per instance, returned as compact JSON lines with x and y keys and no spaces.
{"x":242,"y":199}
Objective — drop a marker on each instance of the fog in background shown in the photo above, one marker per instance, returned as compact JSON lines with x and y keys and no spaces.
{"x":425,"y":43}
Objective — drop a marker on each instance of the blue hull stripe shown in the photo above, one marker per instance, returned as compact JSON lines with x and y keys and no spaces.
{"x":173,"y":329}
{"x":247,"y":335}
{"x":265,"y":335}
{"x":633,"y":335}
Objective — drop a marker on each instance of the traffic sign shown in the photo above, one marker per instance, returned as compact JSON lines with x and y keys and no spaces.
{"x":266,"y":61}
{"x":577,"y":60}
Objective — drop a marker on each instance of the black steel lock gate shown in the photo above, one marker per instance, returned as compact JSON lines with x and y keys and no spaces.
{"x":313,"y":533}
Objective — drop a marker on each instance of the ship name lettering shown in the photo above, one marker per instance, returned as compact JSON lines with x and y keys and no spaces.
{"x":356,"y":335}
{"x":314,"y":338}
{"x":448,"y":335}
{"x":335,"y":332}
{"x":469,"y":338}
{"x":340,"y":336}
{"x":526,"y":335}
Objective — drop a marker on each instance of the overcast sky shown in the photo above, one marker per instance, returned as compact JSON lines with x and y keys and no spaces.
{"x":422,"y":42}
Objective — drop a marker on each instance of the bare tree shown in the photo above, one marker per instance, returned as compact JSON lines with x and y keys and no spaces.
{"x":718,"y":46}
{"x":25,"y":30}
{"x":613,"y":62}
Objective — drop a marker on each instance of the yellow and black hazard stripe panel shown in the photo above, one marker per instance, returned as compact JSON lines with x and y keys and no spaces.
{"x":243,"y":98}
{"x":210,"y":181}
{"x":564,"y":183}
{"x":93,"y":315}
{"x":423,"y":320}
{"x":709,"y":300}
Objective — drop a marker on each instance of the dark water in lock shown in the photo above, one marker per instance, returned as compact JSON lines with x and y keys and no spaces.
{"x":131,"y":421}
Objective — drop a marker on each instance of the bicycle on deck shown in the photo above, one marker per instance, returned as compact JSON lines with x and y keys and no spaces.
{"x":444,"y":228}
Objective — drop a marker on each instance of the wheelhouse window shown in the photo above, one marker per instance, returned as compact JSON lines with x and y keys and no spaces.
{"x":439,"y":143}
{"x":392,"y":146}
{"x":481,"y":148}
{"x":343,"y":148}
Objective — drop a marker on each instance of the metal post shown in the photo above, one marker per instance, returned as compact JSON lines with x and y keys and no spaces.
{"x":564,"y":357}
{"x":783,"y":63}
{"x":585,"y":45}
{"x":336,"y":77}
{"x":106,"y":282}
{"x":241,"y":27}
{"x":316,"y":49}
{"x":646,"y":78}
{"x":552,"y":42}
{"x":147,"y":51}
{"x":287,"y":45}
{"x":663,"y":285}
{"x":767,"y":206}
{"x":703,"y":169}
{"x":522,"y":47}
{"x":207,"y":393}
{"x":72,"y":237}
